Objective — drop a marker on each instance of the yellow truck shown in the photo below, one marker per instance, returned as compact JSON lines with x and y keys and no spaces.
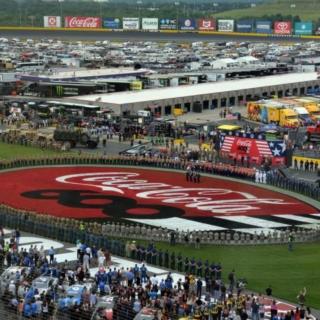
{"x":272,"y":111}
{"x":312,"y":105}
{"x":284,"y":117}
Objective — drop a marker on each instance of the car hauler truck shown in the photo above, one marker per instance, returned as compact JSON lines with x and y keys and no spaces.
{"x":270,"y":111}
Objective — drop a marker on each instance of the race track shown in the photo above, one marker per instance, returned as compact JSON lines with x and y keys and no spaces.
{"x":138,"y":36}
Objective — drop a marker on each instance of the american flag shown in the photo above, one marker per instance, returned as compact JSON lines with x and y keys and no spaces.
{"x":264,"y":148}
{"x":226,"y":143}
{"x":278,"y":148}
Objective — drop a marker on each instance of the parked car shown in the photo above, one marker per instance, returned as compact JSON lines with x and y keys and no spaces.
{"x":12,"y":274}
{"x":43,"y":283}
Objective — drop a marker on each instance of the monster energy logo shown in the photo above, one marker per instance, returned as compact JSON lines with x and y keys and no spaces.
{"x":59,"y":91}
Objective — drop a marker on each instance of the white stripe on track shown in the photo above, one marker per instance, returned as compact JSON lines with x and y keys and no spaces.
{"x":297,"y":218}
{"x":179,"y":224}
{"x":260,"y":223}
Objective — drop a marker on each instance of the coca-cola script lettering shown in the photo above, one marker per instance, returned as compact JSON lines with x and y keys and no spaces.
{"x":208,"y":200}
{"x":155,"y":197}
{"x":83,"y":22}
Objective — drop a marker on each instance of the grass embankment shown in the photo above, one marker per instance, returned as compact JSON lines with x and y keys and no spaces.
{"x":305,"y":9}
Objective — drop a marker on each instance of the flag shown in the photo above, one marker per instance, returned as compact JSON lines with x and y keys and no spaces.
{"x":277,"y":148}
{"x":263,"y":148}
{"x":227,"y":143}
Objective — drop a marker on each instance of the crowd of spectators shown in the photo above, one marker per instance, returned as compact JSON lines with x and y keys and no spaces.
{"x":196,"y":295}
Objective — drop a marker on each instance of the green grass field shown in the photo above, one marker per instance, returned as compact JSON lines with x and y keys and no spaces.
{"x":12,"y":151}
{"x":287,"y":272}
{"x":305,"y":9}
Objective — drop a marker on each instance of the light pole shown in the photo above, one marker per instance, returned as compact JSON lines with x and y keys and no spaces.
{"x":32,"y":18}
{"x":215,"y":6}
{"x":139,"y":3}
{"x":292,"y":6}
{"x":177,"y":3}
{"x":19,"y":3}
{"x":60,"y":7}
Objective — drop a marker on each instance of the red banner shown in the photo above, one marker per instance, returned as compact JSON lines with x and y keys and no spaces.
{"x":253,"y":149}
{"x":282,"y":27}
{"x":207,"y":24}
{"x":82,"y":22}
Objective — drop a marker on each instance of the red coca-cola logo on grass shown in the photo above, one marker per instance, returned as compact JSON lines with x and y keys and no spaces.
{"x":129,"y":193}
{"x":82,"y":22}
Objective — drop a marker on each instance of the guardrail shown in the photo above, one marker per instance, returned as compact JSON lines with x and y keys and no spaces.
{"x":217,"y":33}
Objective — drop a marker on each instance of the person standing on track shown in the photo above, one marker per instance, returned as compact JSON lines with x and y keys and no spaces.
{"x":290,"y":241}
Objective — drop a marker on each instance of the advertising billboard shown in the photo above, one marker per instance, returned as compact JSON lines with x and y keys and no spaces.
{"x":226,"y":25}
{"x":52,"y":21}
{"x":244,"y":25}
{"x":150,"y":24}
{"x":303,"y":28}
{"x":168,"y":24}
{"x":82,"y":22}
{"x":207,"y":24}
{"x":282,"y":27}
{"x":111,"y":23}
{"x":130,"y":23}
{"x":187,"y":24}
{"x":263,"y":26}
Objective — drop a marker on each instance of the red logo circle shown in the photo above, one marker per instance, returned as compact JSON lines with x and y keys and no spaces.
{"x":52,"y":21}
{"x":129,"y":193}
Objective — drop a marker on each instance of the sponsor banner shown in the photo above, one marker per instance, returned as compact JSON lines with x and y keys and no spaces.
{"x":111,"y":23}
{"x":207,"y":24}
{"x":244,"y":25}
{"x":82,"y":22}
{"x":303,"y":28}
{"x":168,"y":24}
{"x":187,"y":24}
{"x":150,"y":24}
{"x":263,"y":26}
{"x":52,"y":21}
{"x":282,"y":27}
{"x":130,"y":23}
{"x":226,"y":25}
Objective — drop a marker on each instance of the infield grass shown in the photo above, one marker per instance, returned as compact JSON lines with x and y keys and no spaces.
{"x":287,"y":272}
{"x":13,"y":151}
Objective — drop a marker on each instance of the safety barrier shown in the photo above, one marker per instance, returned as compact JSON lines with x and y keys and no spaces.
{"x":199,"y":32}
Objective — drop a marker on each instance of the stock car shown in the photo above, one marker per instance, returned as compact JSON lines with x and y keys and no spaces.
{"x":43,"y":283}
{"x":104,"y":308}
{"x":10,"y":274}
{"x":73,"y":296}
{"x":146,"y":314}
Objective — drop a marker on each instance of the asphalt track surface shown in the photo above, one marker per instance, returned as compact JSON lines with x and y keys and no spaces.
{"x":139,"y":36}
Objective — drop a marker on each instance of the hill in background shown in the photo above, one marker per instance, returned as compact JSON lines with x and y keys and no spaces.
{"x":304,"y":9}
